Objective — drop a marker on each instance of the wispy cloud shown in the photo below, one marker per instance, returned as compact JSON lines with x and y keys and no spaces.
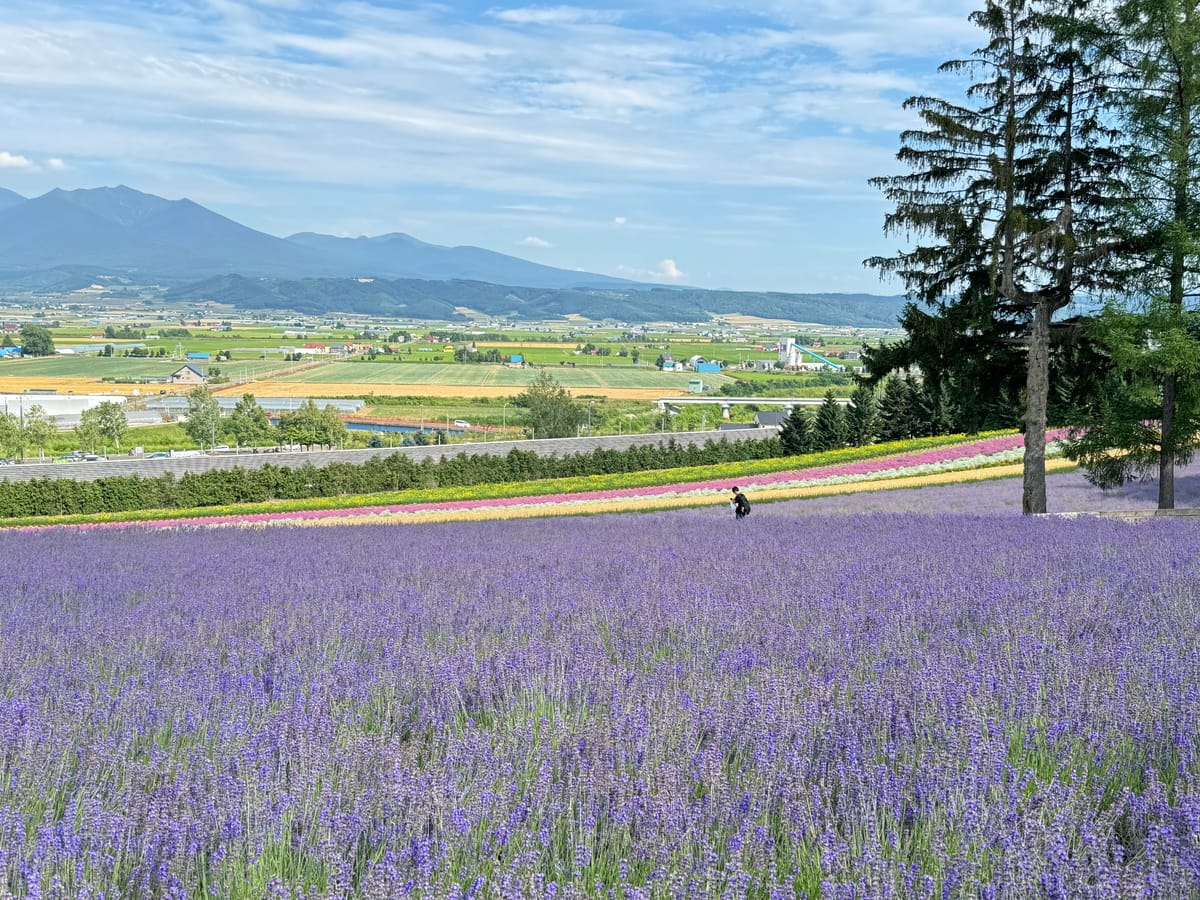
{"x":536,"y":242}
{"x":433,"y":114}
{"x":554,"y":15}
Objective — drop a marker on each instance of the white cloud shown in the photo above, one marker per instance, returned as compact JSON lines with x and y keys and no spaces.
{"x":620,"y":220}
{"x":14,"y":161}
{"x":54,"y":164}
{"x":534,"y":241}
{"x":668,"y":270}
{"x":554,"y":15}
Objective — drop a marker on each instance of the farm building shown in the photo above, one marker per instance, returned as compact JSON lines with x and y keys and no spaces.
{"x":771,"y":419}
{"x":203,"y":356}
{"x":188,"y":374}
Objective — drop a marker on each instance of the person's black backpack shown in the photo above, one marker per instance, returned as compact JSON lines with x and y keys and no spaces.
{"x":743,"y":505}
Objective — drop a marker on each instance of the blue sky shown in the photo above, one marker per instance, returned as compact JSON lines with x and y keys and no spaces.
{"x":715,"y":143}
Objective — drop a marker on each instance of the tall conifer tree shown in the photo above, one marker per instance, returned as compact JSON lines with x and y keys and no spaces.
{"x":1150,"y":412}
{"x":1005,"y":188}
{"x":796,"y":433}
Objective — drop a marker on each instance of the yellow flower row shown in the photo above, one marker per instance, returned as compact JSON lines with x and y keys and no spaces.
{"x":645,"y":504}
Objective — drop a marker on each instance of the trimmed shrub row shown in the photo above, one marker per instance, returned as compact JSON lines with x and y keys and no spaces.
{"x":394,"y":472}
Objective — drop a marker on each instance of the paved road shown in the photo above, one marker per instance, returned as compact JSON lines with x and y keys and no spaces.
{"x":149,"y":468}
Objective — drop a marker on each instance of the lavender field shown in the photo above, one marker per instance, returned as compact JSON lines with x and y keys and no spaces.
{"x":668,"y":705}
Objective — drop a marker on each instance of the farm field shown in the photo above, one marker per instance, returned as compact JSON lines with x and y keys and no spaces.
{"x":479,"y":375}
{"x":88,"y":367}
{"x":98,"y":367}
{"x":85,"y":374}
{"x":658,"y":705}
{"x":448,"y":380}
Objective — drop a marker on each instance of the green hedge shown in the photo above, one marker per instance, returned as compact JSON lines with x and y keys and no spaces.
{"x":393,"y":472}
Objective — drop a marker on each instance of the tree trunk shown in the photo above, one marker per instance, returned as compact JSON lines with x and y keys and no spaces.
{"x":1037,"y":391}
{"x":1166,"y":455}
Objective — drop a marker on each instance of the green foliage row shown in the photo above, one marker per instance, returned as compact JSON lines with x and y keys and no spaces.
{"x":61,"y":496}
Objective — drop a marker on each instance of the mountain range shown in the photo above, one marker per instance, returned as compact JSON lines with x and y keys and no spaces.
{"x":127,"y":232}
{"x":66,"y":240}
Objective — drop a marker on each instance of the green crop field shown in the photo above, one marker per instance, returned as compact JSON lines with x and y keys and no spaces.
{"x":483,"y":375}
{"x":88,"y":367}
{"x":122,"y":367}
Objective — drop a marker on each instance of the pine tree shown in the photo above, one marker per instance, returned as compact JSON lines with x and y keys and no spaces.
{"x":894,"y":413}
{"x":1007,"y":190}
{"x":1149,"y":413}
{"x":829,"y":427}
{"x":860,"y":417}
{"x":796,"y":433}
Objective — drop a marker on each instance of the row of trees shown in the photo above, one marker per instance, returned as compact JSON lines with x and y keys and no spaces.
{"x":24,"y":431}
{"x":901,"y":409}
{"x":59,"y":496}
{"x":1070,"y":170}
{"x":248,"y":425}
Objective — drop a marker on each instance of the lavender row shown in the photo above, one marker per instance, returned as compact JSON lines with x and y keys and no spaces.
{"x":884,"y":706}
{"x":1067,"y":492}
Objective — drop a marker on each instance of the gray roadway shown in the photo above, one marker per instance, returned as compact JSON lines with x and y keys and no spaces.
{"x":150,"y":468}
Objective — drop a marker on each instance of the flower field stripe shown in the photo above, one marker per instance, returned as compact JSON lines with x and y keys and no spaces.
{"x":983,"y":455}
{"x":651,"y":503}
{"x":570,"y":505}
{"x":568,"y":484}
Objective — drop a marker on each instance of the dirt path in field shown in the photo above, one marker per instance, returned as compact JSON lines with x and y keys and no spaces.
{"x":320,"y":389}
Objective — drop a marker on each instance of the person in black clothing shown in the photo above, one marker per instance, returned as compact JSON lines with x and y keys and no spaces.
{"x":739,"y":504}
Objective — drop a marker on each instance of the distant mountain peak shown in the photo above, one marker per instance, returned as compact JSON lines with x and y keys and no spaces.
{"x":121,"y":204}
{"x":9,"y":198}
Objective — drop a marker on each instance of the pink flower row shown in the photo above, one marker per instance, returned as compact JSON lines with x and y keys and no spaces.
{"x":983,"y":448}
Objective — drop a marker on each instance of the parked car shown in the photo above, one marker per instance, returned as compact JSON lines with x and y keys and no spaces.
{"x":461,"y":423}
{"x":93,"y":457}
{"x":8,"y":462}
{"x":158,"y":454}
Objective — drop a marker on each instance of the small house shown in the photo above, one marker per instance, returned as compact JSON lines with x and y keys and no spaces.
{"x":188,"y":374}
